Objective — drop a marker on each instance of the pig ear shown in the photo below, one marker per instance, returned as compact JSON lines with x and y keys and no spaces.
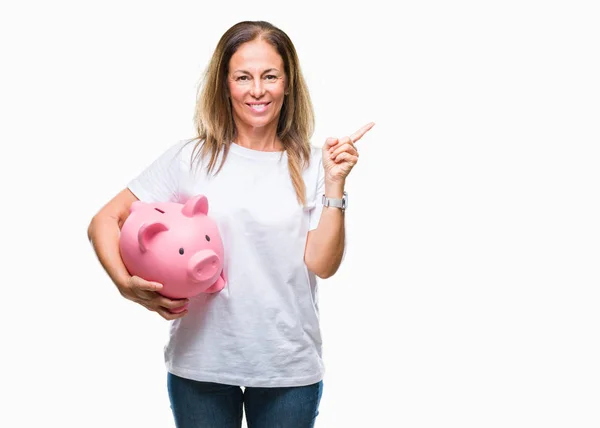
{"x":147,"y":232}
{"x":136,"y":205}
{"x":195,"y":206}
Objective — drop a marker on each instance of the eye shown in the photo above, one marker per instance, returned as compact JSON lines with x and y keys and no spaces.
{"x":207,"y":238}
{"x":271,"y":77}
{"x":159,"y":210}
{"x":181,"y":251}
{"x":242,"y":78}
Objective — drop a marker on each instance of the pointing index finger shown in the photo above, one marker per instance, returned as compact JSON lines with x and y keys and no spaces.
{"x":362,"y":131}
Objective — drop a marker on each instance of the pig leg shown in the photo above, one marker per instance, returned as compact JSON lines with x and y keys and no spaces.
{"x":217,"y":286}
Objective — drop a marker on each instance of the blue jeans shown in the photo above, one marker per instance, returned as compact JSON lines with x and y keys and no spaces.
{"x":214,"y":405}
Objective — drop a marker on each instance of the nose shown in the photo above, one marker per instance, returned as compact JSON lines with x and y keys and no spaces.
{"x":258,"y":89}
{"x":204,"y":267}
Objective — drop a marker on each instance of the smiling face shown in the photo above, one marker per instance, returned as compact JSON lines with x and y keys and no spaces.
{"x":257,"y":85}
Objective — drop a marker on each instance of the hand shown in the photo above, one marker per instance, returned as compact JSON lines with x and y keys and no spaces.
{"x":340,"y":155}
{"x":146,"y":294}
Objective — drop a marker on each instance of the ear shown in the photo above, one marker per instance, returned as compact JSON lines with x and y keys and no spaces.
{"x":136,"y":205}
{"x":147,"y":232}
{"x":196,"y":206}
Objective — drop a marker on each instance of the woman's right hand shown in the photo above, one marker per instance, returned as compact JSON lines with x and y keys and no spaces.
{"x":146,"y":294}
{"x":103,"y":233}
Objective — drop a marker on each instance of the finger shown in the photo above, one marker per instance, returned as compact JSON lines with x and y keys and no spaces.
{"x":141,"y":284}
{"x":330,"y":142}
{"x":143,"y":295}
{"x":165,"y":302}
{"x":348,"y":148}
{"x":346,"y":157}
{"x":362,"y":131}
{"x":341,"y":142}
{"x":168,"y":315}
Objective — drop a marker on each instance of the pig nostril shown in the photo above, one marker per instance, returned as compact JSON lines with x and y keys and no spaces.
{"x":159,"y":210}
{"x":181,"y":251}
{"x":207,"y":238}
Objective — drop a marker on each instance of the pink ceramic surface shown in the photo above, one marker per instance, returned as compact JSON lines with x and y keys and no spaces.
{"x":177,"y":245}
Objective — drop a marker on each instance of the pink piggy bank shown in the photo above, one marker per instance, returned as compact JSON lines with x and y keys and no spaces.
{"x":174,"y":244}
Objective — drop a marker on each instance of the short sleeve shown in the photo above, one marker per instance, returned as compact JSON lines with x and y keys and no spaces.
{"x":317,"y":203}
{"x":159,"y":182}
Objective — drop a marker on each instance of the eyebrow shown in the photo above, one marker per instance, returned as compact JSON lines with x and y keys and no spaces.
{"x":266,"y":71}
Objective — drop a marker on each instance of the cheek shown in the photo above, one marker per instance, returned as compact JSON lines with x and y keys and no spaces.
{"x":235,"y":93}
{"x":278,"y":94}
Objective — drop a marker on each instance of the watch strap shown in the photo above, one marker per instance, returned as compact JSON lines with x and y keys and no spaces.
{"x":336,"y":203}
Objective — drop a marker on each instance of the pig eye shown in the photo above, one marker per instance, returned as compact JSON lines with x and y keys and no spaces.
{"x":181,"y":251}
{"x":207,"y":238}
{"x":159,"y":210}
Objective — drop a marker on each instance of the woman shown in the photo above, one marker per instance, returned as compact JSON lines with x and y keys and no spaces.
{"x":267,"y":187}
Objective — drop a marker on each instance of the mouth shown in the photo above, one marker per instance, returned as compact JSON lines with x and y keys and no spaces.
{"x":258,"y":107}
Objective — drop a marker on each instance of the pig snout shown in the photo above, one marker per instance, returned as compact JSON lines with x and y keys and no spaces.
{"x":204,"y":267}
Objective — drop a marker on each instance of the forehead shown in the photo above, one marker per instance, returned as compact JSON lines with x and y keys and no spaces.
{"x":255,"y":55}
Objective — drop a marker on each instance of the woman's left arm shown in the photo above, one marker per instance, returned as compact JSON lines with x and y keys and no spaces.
{"x":325,"y":245}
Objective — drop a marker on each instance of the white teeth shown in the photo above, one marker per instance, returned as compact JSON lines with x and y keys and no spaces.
{"x":258,"y":107}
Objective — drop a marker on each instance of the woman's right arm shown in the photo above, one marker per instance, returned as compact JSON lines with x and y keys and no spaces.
{"x":103,"y":233}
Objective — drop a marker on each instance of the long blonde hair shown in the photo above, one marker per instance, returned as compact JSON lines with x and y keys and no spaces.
{"x":213,"y":117}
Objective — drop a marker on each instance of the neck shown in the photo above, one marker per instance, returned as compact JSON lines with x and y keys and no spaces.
{"x":263,"y":139}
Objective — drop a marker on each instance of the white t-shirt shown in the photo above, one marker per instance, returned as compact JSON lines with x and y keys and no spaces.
{"x":262,"y":329}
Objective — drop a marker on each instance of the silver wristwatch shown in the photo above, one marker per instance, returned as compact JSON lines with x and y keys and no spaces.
{"x":337,"y":203}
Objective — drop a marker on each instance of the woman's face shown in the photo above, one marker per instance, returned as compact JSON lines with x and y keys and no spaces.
{"x":257,"y":84}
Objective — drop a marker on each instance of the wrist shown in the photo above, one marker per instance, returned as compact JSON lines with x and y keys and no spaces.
{"x":122,"y":281}
{"x":334,"y":189}
{"x":335,"y":202}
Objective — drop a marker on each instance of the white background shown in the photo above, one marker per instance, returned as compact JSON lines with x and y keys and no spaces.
{"x":469,"y":294}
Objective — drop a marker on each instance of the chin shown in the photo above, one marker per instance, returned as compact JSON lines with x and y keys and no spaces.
{"x":252,"y":122}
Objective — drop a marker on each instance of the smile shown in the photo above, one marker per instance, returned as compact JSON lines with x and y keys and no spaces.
{"x":258,"y":107}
